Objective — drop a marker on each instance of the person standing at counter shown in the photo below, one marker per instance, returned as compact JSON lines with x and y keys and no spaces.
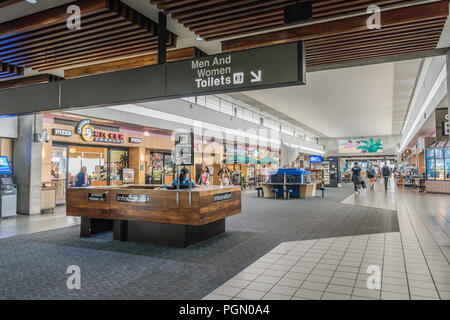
{"x":184,"y":181}
{"x":82,"y":178}
{"x":225,"y":177}
{"x":204,"y":177}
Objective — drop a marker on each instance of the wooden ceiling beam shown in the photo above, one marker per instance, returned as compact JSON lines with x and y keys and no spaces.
{"x":358,"y":23}
{"x":65,"y":41}
{"x":369,"y":55}
{"x":85,"y":60}
{"x":107,"y":45}
{"x":135,"y":62}
{"x":73,"y":43}
{"x":249,"y":7}
{"x":109,"y":27}
{"x":26,"y":81}
{"x":376,"y":48}
{"x":207,"y":9}
{"x":50,"y":16}
{"x":369,"y":34}
{"x":6,"y":3}
{"x":95,"y":57}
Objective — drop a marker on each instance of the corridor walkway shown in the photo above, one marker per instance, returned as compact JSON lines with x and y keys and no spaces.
{"x":414,"y":263}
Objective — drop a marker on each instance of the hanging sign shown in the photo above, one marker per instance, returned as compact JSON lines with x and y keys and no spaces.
{"x":266,"y":67}
{"x":259,"y":68}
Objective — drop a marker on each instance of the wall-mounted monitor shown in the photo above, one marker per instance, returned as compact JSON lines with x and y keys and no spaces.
{"x":5,"y":167}
{"x":315,"y":159}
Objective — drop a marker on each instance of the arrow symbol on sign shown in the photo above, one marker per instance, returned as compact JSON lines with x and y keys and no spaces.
{"x":256,"y":77}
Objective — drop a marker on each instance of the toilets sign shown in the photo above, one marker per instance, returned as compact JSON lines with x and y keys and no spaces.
{"x":267,"y":67}
{"x":259,"y":68}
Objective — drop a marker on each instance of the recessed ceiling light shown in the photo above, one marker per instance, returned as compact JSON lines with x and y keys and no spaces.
{"x":199,"y":38}
{"x":32,"y":1}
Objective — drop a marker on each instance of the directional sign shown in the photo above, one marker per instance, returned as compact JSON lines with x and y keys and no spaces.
{"x":256,"y":77}
{"x":274,"y":66}
{"x":266,"y":67}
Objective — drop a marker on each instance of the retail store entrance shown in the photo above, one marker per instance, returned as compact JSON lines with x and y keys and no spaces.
{"x":67,"y":161}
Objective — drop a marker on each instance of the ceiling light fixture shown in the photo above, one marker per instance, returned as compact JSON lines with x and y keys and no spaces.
{"x":32,"y":1}
{"x":199,"y":38}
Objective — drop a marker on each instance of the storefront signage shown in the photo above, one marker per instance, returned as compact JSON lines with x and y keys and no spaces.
{"x":62,"y":132}
{"x":135,"y":140}
{"x":315,"y":159}
{"x":222,"y":196}
{"x":89,"y":134}
{"x":97,"y":197}
{"x":134,"y":198}
{"x":441,"y":116}
{"x":445,"y":127}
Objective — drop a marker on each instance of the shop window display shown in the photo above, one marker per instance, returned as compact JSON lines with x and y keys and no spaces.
{"x":438,"y":162}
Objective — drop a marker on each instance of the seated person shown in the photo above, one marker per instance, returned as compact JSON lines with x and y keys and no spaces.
{"x":184,"y":181}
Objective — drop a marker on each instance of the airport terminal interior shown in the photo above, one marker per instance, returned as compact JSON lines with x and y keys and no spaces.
{"x":224,"y":150}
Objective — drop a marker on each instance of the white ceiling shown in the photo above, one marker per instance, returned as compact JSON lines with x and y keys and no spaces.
{"x":357,"y":101}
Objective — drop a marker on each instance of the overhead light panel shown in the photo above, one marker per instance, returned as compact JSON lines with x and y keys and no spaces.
{"x":32,"y":1}
{"x":299,"y":12}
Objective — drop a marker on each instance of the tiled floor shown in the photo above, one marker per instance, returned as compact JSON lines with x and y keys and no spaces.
{"x":23,"y":224}
{"x":413,"y":263}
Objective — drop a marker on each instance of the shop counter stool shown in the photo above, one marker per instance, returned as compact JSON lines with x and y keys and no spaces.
{"x":288,"y":191}
{"x":275,"y":191}
{"x":260,"y":191}
{"x":323,"y":191}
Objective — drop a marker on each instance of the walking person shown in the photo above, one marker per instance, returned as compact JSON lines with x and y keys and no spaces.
{"x":371,"y":176}
{"x":386,"y":171}
{"x":355,"y":176}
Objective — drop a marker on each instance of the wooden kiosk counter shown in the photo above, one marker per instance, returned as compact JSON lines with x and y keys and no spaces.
{"x":148,"y":213}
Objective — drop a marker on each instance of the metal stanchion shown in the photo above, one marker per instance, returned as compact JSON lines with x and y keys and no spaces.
{"x":190,"y":186}
{"x":178,"y":186}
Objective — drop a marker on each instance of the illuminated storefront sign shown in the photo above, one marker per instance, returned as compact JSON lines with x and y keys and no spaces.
{"x":62,"y":132}
{"x":89,"y":134}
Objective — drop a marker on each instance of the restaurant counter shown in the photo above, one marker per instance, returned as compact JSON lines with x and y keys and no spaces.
{"x":150,"y":213}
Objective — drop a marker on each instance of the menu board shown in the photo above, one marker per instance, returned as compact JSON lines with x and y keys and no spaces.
{"x":128,"y":175}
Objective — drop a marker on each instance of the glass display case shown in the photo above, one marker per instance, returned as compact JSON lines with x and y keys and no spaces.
{"x":437,"y":158}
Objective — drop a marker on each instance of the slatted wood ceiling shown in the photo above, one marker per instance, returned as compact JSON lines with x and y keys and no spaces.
{"x":8,"y":71}
{"x":407,"y":30}
{"x":216,"y":19}
{"x":110,"y":29}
